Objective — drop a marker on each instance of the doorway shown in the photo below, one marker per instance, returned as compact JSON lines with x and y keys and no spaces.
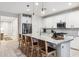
{"x":8,"y":27}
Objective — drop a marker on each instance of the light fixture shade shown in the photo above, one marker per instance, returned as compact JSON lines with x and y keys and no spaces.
{"x":33,"y":10}
{"x":43,"y":12}
{"x":28,"y":9}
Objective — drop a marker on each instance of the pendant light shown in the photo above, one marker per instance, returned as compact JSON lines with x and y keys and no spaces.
{"x":33,"y":9}
{"x":43,"y":9}
{"x":28,"y":7}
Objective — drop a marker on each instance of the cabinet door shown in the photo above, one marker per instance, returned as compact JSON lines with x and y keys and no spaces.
{"x":63,"y":50}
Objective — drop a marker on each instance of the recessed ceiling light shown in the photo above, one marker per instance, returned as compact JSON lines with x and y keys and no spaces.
{"x":28,"y":9}
{"x":36,"y":3}
{"x":53,"y":9}
{"x":69,"y":4}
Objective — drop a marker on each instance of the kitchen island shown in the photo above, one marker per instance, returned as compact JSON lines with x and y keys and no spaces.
{"x":62,"y":46}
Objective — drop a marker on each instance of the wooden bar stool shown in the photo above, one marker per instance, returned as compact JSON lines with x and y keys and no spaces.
{"x":23,"y":44}
{"x":28,"y":45}
{"x":35,"y":47}
{"x":45,"y":50}
{"x":32,"y":47}
{"x":19,"y":39}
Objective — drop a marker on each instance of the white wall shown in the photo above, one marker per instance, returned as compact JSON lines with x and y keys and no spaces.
{"x":71,"y":19}
{"x":6,"y":28}
{"x":19,"y":24}
{"x":14,"y":28}
{"x":36,"y":24}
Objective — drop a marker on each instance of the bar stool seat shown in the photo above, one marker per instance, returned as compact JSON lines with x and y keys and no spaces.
{"x":35,"y":47}
{"x":51,"y":52}
{"x":45,"y":50}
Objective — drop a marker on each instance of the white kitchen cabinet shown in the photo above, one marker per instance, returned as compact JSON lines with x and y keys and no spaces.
{"x":73,"y":21}
{"x":70,"y":19}
{"x":26,"y":19}
{"x":63,"y":50}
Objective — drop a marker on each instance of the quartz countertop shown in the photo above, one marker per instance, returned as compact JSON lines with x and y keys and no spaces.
{"x":49,"y":39}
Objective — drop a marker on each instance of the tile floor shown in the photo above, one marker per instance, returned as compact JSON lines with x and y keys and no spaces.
{"x":10,"y":49}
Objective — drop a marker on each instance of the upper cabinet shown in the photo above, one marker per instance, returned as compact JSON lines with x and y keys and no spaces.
{"x":26,"y":19}
{"x":51,"y":22}
{"x":71,"y":19}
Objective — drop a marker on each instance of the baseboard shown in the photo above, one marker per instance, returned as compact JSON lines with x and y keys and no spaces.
{"x":74,"y":49}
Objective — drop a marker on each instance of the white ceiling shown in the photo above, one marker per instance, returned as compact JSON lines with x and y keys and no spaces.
{"x":21,"y":7}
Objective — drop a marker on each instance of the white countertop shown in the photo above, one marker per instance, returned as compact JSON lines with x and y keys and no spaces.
{"x":49,"y":39}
